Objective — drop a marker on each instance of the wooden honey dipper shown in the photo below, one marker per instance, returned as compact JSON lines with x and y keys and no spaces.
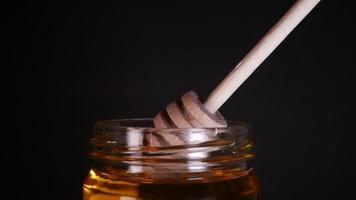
{"x":190,"y":112}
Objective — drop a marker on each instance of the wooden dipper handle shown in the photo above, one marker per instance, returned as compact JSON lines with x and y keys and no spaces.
{"x":259,"y":53}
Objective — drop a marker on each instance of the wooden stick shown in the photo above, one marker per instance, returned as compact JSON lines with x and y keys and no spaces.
{"x":259,"y":53}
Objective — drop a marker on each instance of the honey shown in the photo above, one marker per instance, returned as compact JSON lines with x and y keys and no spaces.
{"x":240,"y":188}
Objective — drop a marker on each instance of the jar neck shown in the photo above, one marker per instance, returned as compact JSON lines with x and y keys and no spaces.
{"x":207,"y":154}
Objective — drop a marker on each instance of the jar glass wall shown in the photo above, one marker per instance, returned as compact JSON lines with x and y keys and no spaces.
{"x":133,"y":161}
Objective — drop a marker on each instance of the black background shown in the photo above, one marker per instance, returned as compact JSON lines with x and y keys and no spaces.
{"x":79,"y":62}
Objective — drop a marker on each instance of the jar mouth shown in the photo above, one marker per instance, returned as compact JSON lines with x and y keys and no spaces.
{"x":135,"y":137}
{"x":147,"y":124}
{"x":139,"y":132}
{"x":134,"y":146}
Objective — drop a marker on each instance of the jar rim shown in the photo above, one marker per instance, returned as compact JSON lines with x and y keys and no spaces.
{"x":123,"y":124}
{"x":134,"y":146}
{"x":139,"y":134}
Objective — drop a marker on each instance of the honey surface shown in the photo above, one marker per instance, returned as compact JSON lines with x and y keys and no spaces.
{"x":244,"y":187}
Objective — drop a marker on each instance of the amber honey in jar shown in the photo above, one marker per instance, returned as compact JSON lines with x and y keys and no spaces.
{"x":133,"y":161}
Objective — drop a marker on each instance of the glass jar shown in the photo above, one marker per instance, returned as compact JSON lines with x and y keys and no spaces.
{"x":133,"y":161}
